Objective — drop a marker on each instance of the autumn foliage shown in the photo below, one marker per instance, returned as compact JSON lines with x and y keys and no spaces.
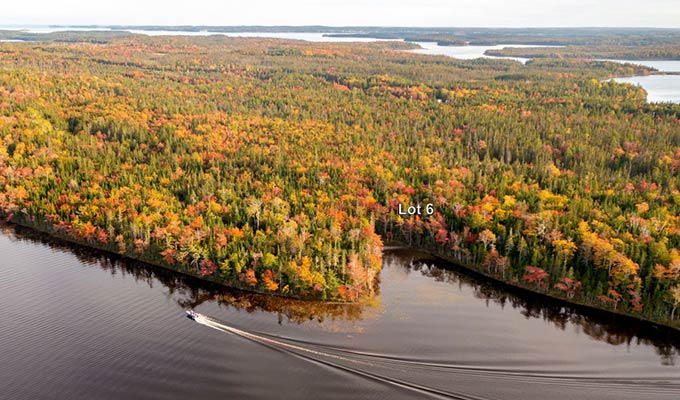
{"x":280,"y":166}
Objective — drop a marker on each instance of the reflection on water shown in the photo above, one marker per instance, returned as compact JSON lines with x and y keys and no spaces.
{"x":596,"y":325}
{"x":190,"y":292}
{"x":80,"y":324}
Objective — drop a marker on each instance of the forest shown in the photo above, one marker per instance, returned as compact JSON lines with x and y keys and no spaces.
{"x":279,"y":166}
{"x":616,"y":52}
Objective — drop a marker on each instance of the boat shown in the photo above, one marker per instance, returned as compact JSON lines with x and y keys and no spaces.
{"x":191,"y":314}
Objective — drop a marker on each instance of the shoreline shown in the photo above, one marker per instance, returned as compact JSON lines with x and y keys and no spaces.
{"x":548,"y":295}
{"x":450,"y":263}
{"x":151,"y":263}
{"x":554,"y":297}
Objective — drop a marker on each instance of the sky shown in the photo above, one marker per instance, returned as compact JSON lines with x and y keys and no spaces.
{"x":442,"y":13}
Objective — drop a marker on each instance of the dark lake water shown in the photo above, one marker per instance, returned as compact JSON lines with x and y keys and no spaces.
{"x":78,"y":324}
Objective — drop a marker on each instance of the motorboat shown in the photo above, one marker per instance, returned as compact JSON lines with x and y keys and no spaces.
{"x":191,"y":314}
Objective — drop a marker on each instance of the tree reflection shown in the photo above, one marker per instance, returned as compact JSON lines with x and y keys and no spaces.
{"x":190,"y":292}
{"x":598,"y":325}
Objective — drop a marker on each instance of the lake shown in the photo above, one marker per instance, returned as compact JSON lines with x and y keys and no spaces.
{"x":80,"y":324}
{"x":430,"y":48}
{"x":306,"y":36}
{"x":467,"y":52}
{"x":659,"y":88}
{"x":660,"y":65}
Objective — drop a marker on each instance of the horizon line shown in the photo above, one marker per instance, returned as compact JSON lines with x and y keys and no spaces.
{"x":84,"y":25}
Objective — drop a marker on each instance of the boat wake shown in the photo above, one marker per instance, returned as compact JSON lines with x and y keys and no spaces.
{"x":357,"y":366}
{"x":438,"y":380}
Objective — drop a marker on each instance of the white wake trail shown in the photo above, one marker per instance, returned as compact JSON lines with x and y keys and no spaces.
{"x":350,"y":361}
{"x":203,"y":320}
{"x":325,"y":358}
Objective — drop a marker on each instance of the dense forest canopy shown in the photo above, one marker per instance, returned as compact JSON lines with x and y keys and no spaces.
{"x":280,"y":166}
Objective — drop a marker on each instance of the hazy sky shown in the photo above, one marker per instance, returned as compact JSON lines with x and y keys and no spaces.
{"x":510,"y":13}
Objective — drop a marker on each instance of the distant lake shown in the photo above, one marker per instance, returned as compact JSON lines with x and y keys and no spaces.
{"x":46,"y":29}
{"x":306,"y":36}
{"x":659,"y":88}
{"x":468,"y":52}
{"x":430,"y":48}
{"x":660,"y":65}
